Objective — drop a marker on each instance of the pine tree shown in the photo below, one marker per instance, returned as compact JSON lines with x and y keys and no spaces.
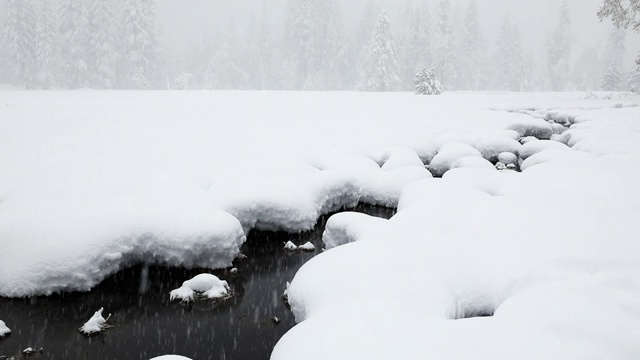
{"x":104,"y":43}
{"x":472,"y":50}
{"x":612,"y":80}
{"x":416,"y":45}
{"x":509,"y":60}
{"x":559,"y":51}
{"x":588,"y":71}
{"x":140,"y":52}
{"x":444,"y":47}
{"x":381,"y":71}
{"x":223,"y":72}
{"x":335,"y":72}
{"x":634,"y":80}
{"x":300,"y":42}
{"x":19,"y":39}
{"x":426,"y":83}
{"x":75,"y":39}
{"x":47,"y":45}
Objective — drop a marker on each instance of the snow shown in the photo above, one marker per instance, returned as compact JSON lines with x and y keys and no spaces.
{"x":448,"y":155}
{"x":93,"y":182}
{"x":210,"y":286}
{"x":96,"y":324}
{"x":170,"y":357}
{"x":491,"y":147}
{"x":290,"y":246}
{"x":507,"y":158}
{"x":308,"y":246}
{"x":4,"y":330}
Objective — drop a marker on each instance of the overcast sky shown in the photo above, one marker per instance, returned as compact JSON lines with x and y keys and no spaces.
{"x":184,"y":21}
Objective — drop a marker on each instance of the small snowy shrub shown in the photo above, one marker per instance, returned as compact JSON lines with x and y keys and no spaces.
{"x":426,"y":83}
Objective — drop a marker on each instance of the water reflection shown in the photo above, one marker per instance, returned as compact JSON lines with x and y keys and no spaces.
{"x":147,"y":324}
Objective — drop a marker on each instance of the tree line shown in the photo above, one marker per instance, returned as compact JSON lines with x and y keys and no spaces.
{"x":114,"y":44}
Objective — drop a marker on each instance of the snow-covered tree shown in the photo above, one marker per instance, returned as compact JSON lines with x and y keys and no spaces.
{"x":182,"y":81}
{"x":559,"y":51}
{"x":334,"y":57}
{"x":416,"y":47}
{"x":381,"y":68}
{"x":104,"y":39}
{"x":509,"y":59}
{"x":623,"y":13}
{"x":634,"y":80}
{"x":300,"y":42}
{"x":426,"y":83}
{"x":612,"y":80}
{"x":140,"y":51}
{"x":19,"y":41}
{"x":47,"y":46}
{"x":444,"y":45}
{"x":75,"y":38}
{"x":224,"y":72}
{"x":471,"y":57}
{"x":587,"y":71}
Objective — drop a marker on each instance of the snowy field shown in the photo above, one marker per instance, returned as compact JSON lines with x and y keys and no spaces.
{"x":91,"y":182}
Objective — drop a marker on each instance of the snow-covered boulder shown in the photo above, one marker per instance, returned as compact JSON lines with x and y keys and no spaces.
{"x":491,"y":147}
{"x":96,"y":324}
{"x":4,"y":330}
{"x":534,"y":147}
{"x":402,"y":156}
{"x":448,"y":155}
{"x":472,"y":161}
{"x":558,"y":129}
{"x":308,"y":246}
{"x":290,"y":246}
{"x":170,"y":357}
{"x":532,"y":127}
{"x":507,"y":158}
{"x":206,"y":285}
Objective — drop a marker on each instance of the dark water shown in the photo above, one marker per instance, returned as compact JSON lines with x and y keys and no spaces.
{"x":147,"y":324}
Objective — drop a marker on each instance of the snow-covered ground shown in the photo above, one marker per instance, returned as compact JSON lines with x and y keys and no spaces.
{"x":95,"y":181}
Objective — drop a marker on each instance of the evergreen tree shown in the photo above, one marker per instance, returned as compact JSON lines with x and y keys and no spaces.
{"x":612,"y":80}
{"x":559,"y":51}
{"x":509,"y":60}
{"x":472,"y":50}
{"x":140,"y":51}
{"x":75,"y":38}
{"x":223,"y":72}
{"x":623,"y":13}
{"x":47,"y":45}
{"x":588,"y":70}
{"x":416,"y":45}
{"x":300,"y":42}
{"x":381,"y":71}
{"x":19,"y":39}
{"x":335,"y":72}
{"x":634,"y":80}
{"x":426,"y":83}
{"x":105,"y":30}
{"x":444,"y":47}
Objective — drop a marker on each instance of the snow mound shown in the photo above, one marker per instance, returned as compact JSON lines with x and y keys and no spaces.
{"x":472,"y":161}
{"x":208,"y":285}
{"x":4,"y":330}
{"x":448,"y":155}
{"x":170,"y":357}
{"x":507,"y":158}
{"x":96,"y":324}
{"x":341,"y":228}
{"x":491,"y":147}
{"x":407,"y":157}
{"x":537,"y":128}
{"x":290,"y":246}
{"x":535,"y":147}
{"x":308,"y":246}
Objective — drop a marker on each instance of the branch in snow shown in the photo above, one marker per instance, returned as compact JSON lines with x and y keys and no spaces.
{"x":96,"y":324}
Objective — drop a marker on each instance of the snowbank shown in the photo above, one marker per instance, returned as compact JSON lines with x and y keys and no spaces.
{"x":482,"y":264}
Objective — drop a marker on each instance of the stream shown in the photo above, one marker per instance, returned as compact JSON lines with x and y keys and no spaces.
{"x":147,"y":324}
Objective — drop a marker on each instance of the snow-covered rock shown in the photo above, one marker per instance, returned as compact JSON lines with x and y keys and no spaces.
{"x":4,"y":329}
{"x":399,"y":157}
{"x":472,"y":161}
{"x":507,"y":158}
{"x":96,"y":324}
{"x":206,"y":285}
{"x":534,"y":147}
{"x":448,"y":155}
{"x":491,"y":147}
{"x":308,"y":246}
{"x":290,"y":246}
{"x":537,"y":128}
{"x":170,"y":357}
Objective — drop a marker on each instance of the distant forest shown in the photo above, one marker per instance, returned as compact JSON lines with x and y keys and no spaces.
{"x":114,"y":44}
